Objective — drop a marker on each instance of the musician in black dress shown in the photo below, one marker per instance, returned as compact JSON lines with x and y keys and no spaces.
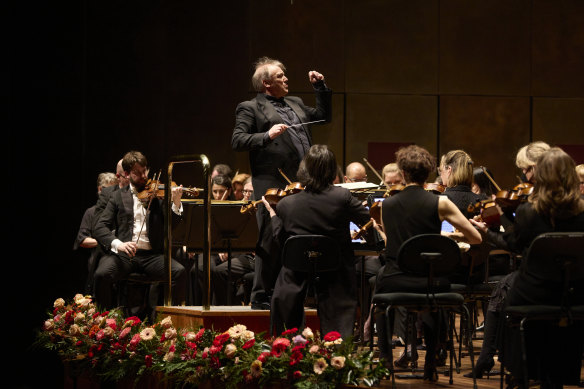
{"x":321,"y":209}
{"x":410,"y":212}
{"x":555,"y":205}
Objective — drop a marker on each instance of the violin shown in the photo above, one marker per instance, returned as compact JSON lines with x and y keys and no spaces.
{"x":393,"y":189}
{"x":434,"y":187}
{"x":486,"y":211}
{"x":154,"y":189}
{"x":375,"y":213}
{"x":510,"y":199}
{"x":273,"y":196}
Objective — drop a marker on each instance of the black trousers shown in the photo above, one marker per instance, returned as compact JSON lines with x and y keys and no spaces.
{"x":113,"y":268}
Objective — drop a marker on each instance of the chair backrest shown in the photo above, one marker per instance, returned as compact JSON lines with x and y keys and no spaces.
{"x":417,"y":255}
{"x":311,"y":254}
{"x":557,"y":257}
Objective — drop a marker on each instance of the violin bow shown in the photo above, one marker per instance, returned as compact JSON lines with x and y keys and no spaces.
{"x":283,"y":175}
{"x":148,"y":208}
{"x":490,"y":178}
{"x":374,"y":171}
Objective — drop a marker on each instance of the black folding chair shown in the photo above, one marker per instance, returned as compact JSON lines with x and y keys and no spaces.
{"x":428,"y":256}
{"x":557,"y":259}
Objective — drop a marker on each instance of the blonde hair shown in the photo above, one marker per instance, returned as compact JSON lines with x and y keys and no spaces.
{"x":580,"y":171}
{"x":556,"y":194}
{"x":528,"y":155}
{"x":462,"y":167}
{"x":389,"y":168}
{"x":240,"y":178}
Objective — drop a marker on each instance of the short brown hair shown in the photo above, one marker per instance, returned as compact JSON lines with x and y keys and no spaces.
{"x":131,"y":158}
{"x":416,"y":163}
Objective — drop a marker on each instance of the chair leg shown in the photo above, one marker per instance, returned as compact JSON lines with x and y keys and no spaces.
{"x":524,"y":353}
{"x":470,"y":346}
{"x":389,"y":328}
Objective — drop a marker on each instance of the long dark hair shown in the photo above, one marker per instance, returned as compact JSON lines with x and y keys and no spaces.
{"x":556,"y":194}
{"x":318,"y":169}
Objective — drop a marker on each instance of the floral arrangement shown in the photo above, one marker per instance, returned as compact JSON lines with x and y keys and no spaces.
{"x":111,"y":347}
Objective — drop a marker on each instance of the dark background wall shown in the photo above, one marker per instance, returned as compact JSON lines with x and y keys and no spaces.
{"x":90,"y":80}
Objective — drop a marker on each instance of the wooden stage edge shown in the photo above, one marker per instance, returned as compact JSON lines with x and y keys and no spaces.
{"x":221,"y":318}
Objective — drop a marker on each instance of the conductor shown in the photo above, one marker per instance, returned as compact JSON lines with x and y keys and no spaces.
{"x":272,"y":128}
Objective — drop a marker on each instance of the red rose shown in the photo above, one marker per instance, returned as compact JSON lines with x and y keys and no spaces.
{"x":263,"y":356}
{"x":148,"y":360}
{"x":248,"y":344}
{"x":290,"y":331}
{"x":332,"y":336}
{"x":297,"y":374}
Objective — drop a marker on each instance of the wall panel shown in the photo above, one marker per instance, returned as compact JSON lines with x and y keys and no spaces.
{"x":389,"y":118}
{"x":558,"y":48}
{"x":391,"y":46}
{"x":484,"y":47}
{"x":489,"y":129}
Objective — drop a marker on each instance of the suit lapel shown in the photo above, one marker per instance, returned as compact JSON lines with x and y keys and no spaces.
{"x":273,"y":117}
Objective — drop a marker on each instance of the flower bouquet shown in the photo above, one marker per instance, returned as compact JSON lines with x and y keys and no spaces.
{"x":110,"y":347}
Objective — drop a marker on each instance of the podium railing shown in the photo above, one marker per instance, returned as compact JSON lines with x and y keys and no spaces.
{"x":179,"y":159}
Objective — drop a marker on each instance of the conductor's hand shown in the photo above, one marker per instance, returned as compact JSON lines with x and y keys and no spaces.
{"x":277,"y":130}
{"x":128,"y":248}
{"x":314,"y":76}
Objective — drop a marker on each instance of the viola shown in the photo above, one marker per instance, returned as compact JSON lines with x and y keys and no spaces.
{"x":434,"y":187}
{"x":393,"y":189}
{"x":293,"y":188}
{"x":272,"y":196}
{"x":510,"y":199}
{"x":375,"y":213}
{"x":486,"y":211}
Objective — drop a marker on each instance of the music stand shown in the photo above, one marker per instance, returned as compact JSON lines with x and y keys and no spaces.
{"x":231,"y":230}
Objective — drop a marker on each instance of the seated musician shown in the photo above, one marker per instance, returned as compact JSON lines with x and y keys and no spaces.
{"x":221,"y":187}
{"x":391,"y":175}
{"x":237,"y":185}
{"x":241,"y":264}
{"x":132,"y":234}
{"x":322,"y":209}
{"x":545,"y":211}
{"x":456,"y":172}
{"x":84,"y":236}
{"x":410,"y":212}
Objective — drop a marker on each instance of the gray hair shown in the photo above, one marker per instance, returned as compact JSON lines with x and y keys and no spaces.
{"x":262,"y":72}
{"x":106,"y":179}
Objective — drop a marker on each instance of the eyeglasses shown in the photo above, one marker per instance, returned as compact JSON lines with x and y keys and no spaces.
{"x":247,"y":191}
{"x":364,"y":179}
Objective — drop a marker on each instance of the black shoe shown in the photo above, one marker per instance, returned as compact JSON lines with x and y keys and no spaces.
{"x":441,"y":356}
{"x":404,"y":360}
{"x":396,"y":343}
{"x":260,"y":306}
{"x":481,"y":368}
{"x":430,"y":374}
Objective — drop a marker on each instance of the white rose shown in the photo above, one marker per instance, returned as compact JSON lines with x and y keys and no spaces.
{"x":49,"y":324}
{"x":59,"y":303}
{"x":166,"y":322}
{"x":307,"y":333}
{"x":79,"y":317}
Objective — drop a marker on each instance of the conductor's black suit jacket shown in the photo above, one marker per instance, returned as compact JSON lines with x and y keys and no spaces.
{"x":254,"y":118}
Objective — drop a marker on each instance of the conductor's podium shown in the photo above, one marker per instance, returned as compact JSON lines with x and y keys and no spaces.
{"x":221,"y":318}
